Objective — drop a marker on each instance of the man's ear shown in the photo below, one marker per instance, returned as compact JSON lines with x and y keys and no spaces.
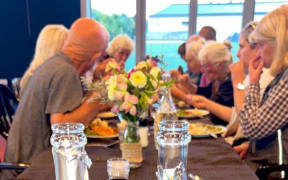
{"x":96,"y":56}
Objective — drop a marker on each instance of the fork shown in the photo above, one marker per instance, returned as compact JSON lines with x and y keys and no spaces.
{"x":104,"y":145}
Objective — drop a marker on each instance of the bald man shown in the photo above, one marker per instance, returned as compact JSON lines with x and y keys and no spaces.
{"x":54,"y":93}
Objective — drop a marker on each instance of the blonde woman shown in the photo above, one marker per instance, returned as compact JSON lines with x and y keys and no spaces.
{"x":120,"y":48}
{"x":49,"y":42}
{"x":265,"y":121}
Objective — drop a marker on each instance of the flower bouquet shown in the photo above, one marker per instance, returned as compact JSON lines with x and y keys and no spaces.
{"x":131,"y":93}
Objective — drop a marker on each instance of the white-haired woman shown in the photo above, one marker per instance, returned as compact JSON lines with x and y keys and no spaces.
{"x":188,"y":82}
{"x":120,"y":48}
{"x":265,"y":121}
{"x":49,"y":42}
{"x":215,"y":59}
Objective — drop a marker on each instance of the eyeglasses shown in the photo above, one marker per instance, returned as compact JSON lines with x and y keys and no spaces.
{"x":209,"y":65}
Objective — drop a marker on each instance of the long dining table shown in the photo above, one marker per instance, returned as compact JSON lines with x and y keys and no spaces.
{"x":208,"y":158}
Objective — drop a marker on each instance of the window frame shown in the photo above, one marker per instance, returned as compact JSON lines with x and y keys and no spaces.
{"x":85,"y":5}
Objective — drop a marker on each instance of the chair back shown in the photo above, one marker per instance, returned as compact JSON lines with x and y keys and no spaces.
{"x":8,"y":105}
{"x":16,"y":87}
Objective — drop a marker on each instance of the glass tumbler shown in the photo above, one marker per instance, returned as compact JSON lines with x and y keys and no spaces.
{"x":68,"y":148}
{"x":173,"y":139}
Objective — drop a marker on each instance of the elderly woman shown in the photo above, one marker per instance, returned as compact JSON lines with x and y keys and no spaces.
{"x":247,"y":51}
{"x":266,"y":120}
{"x":215,"y":59}
{"x":188,"y":82}
{"x":120,"y":48}
{"x":49,"y":42}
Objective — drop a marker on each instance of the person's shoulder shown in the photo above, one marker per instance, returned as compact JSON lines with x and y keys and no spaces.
{"x":60,"y":63}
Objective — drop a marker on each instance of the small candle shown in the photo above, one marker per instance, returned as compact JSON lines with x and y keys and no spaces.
{"x":118,"y":168}
{"x":143,"y":132}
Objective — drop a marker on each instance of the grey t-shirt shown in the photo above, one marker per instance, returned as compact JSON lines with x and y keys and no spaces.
{"x":55,"y":87}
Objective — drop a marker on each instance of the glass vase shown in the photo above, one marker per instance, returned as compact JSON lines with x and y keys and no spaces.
{"x":131,"y":146}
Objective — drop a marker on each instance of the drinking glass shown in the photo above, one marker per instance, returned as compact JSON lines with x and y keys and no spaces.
{"x":118,"y":168}
{"x":173,"y":139}
{"x":68,"y":148}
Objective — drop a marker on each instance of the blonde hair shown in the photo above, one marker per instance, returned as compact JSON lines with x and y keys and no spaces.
{"x":273,"y":27}
{"x":120,"y":42}
{"x":193,"y":47}
{"x":213,"y":52}
{"x":49,"y":42}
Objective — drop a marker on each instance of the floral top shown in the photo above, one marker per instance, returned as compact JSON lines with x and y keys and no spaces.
{"x":261,"y":119}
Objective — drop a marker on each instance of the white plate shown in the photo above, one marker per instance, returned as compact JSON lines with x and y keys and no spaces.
{"x":101,"y":137}
{"x":106,"y":115}
{"x":199,"y":129}
{"x":191,"y":113}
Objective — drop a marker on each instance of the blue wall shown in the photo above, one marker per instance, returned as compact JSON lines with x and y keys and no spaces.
{"x":21,"y":22}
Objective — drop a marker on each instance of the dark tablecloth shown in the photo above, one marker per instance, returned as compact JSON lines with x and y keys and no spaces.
{"x":209,"y":158}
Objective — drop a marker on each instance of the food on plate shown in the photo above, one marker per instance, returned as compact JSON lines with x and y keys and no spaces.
{"x":182,"y":104}
{"x":192,"y":112}
{"x":198,"y":128}
{"x":106,"y":115}
{"x":100,"y":128}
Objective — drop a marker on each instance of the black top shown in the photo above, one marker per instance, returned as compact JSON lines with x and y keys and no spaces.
{"x":223,"y":96}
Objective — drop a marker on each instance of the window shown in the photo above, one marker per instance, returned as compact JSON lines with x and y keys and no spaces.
{"x":262,"y":7}
{"x":225,"y":17}
{"x":166,"y":29}
{"x":119,"y":18}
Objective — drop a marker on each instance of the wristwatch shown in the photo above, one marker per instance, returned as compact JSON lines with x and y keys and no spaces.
{"x":240,"y":86}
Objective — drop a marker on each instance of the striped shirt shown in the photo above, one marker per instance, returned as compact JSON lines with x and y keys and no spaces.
{"x":261,"y":120}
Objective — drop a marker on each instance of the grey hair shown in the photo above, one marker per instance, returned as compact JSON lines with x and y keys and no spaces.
{"x":213,"y":52}
{"x":120,"y":42}
{"x":193,"y":47}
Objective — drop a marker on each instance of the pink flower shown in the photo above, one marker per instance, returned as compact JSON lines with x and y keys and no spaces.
{"x":128,"y":104}
{"x":133,"y":111}
{"x":152,"y":63}
{"x":119,"y":95}
{"x":131,"y":72}
{"x":115,"y":109}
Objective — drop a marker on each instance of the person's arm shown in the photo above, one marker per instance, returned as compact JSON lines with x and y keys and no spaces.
{"x":259,"y":122}
{"x":186,"y":82}
{"x":237,"y":77}
{"x":65,"y":99}
{"x":178,"y":93}
{"x":83,"y":114}
{"x":223,"y":112}
{"x":238,"y":95}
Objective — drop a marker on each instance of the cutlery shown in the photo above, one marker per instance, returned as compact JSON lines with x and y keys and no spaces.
{"x":104,"y":145}
{"x":194,"y":177}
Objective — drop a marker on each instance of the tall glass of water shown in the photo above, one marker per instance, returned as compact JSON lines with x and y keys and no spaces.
{"x":173,"y":139}
{"x":68,"y":147}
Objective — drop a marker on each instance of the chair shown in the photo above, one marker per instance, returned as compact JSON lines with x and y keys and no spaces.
{"x":8,"y":105}
{"x":16,"y":87}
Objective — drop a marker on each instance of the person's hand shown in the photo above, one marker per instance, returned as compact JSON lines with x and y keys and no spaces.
{"x":99,"y":71}
{"x":242,"y":149}
{"x":196,"y":100}
{"x":184,"y":79}
{"x":237,"y":72}
{"x":255,"y":70}
{"x":175,"y":74}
